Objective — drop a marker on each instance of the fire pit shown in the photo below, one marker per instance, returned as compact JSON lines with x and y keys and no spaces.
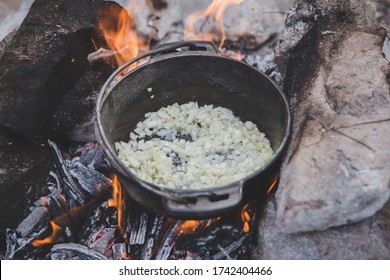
{"x":333,"y":180}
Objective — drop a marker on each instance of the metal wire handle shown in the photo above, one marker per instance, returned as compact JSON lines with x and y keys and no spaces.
{"x":166,"y":48}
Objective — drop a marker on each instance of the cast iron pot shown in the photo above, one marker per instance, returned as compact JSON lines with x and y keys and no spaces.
{"x":183,"y":72}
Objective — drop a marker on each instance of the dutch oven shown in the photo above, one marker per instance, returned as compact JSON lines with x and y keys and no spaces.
{"x":182,"y":72}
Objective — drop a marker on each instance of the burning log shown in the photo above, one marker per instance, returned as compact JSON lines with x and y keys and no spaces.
{"x":336,"y":171}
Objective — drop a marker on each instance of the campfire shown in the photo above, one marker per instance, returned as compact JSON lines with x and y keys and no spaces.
{"x":65,"y":200}
{"x":87,"y":215}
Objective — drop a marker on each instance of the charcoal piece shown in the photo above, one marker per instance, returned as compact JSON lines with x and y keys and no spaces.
{"x":168,"y":242}
{"x":231,"y":249}
{"x":75,"y":251}
{"x":153,"y":236}
{"x":104,"y":242}
{"x":55,"y":204}
{"x":67,"y":183}
{"x":44,"y":60}
{"x":24,"y":167}
{"x":100,"y":217}
{"x":65,"y":255}
{"x":138,"y":230}
{"x":215,"y":242}
{"x":25,"y":249}
{"x":89,"y":179}
{"x":183,"y":255}
{"x":29,"y":224}
{"x":94,"y":158}
{"x":136,"y":223}
{"x":12,"y":243}
{"x":119,"y":251}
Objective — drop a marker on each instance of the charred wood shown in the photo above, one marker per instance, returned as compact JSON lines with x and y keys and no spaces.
{"x":150,"y":244}
{"x":232,"y":248}
{"x":74,"y":251}
{"x":67,"y":183}
{"x":104,"y":240}
{"x":29,"y":224}
{"x":89,"y":179}
{"x":168,"y":242}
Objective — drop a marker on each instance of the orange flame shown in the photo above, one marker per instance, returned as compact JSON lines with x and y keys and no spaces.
{"x":217,"y":8}
{"x":273,"y":184}
{"x":120,"y":35}
{"x":118,"y":202}
{"x":188,"y":226}
{"x":246,"y":218}
{"x":56,"y":233}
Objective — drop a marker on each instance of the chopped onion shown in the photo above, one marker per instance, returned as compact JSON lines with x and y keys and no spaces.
{"x":192,"y":147}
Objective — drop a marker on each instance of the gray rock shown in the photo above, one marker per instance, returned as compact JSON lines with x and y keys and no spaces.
{"x":368,"y":239}
{"x":43,"y":61}
{"x":305,"y":13}
{"x":337,"y":166}
{"x":24,"y":167}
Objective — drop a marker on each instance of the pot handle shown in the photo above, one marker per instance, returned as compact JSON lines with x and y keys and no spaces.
{"x":191,"y":46}
{"x":156,"y":52}
{"x":205,"y":202}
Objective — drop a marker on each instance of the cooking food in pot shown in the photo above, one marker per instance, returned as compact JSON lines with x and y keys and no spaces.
{"x":194,"y":147}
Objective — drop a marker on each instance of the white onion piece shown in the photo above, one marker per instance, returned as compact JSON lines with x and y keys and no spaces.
{"x":194,"y":147}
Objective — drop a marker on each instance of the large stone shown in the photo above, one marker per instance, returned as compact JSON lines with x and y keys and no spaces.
{"x":305,"y":13}
{"x":337,"y":166}
{"x":368,"y":239}
{"x":74,"y":117}
{"x":23,"y":172}
{"x":44,"y":60}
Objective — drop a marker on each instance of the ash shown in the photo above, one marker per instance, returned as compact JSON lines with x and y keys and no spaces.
{"x":79,"y":187}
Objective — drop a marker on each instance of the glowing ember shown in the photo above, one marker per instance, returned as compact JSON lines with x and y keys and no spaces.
{"x":56,"y":233}
{"x":188,"y":226}
{"x":216,"y":9}
{"x":120,"y":34}
{"x":117,"y":201}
